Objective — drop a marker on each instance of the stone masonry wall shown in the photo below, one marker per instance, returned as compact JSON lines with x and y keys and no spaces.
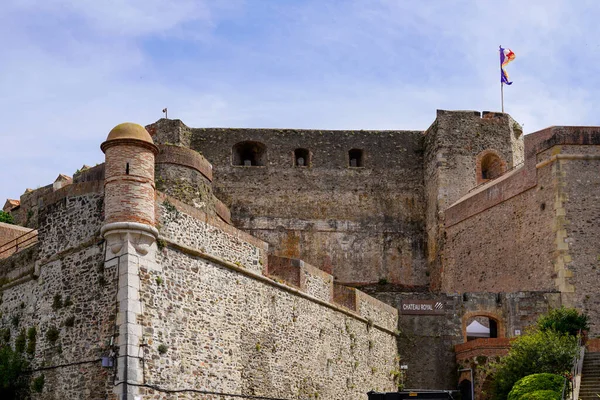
{"x":363,"y":224}
{"x":505,"y":248}
{"x":581,"y":186}
{"x":229,"y":328}
{"x":66,"y":302}
{"x":452,"y":146}
{"x":427,"y":342}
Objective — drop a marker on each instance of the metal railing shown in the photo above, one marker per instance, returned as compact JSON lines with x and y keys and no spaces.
{"x":18,"y":243}
{"x":571,"y":384}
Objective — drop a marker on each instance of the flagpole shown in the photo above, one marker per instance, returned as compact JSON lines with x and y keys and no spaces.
{"x":502,"y":95}
{"x":501,"y":82}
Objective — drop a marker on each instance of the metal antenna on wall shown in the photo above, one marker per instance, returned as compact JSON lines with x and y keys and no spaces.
{"x":165,"y":111}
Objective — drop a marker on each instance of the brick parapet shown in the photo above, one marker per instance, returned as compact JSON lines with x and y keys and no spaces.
{"x":488,"y":347}
{"x":183,"y":156}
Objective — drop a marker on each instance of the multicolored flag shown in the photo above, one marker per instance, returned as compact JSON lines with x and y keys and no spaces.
{"x":506,"y":56}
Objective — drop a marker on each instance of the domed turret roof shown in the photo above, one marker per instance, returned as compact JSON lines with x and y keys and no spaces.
{"x":129,"y":130}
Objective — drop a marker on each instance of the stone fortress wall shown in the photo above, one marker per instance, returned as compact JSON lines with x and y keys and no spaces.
{"x":363,"y":224}
{"x":200,"y":307}
{"x":469,"y":213}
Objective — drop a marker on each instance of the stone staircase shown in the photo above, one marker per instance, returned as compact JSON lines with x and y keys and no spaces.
{"x":590,"y":377}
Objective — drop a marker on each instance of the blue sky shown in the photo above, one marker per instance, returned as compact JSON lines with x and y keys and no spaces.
{"x":72,"y":69}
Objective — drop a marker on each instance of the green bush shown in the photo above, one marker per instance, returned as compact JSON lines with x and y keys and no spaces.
{"x":6,"y":217}
{"x":565,"y":320}
{"x":542,"y":395}
{"x":38,"y":384}
{"x":536,"y":382}
{"x":13,"y":383}
{"x":532,"y":353}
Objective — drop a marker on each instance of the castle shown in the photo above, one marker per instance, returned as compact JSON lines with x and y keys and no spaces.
{"x":299,"y":264}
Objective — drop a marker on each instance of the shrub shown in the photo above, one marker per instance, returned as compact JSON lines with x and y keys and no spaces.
{"x":57,"y":302}
{"x":6,"y":217}
{"x":565,"y":320}
{"x":532,"y":353}
{"x":12,"y":377}
{"x":162,"y":349}
{"x":32,"y":336}
{"x":38,"y":384}
{"x":52,"y":334}
{"x":20,"y":342}
{"x":542,"y":395}
{"x":536,"y":382}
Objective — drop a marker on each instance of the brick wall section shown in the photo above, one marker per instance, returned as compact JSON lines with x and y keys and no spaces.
{"x":286,"y":269}
{"x":129,"y":197}
{"x":482,"y":347}
{"x":14,"y":238}
{"x":362,"y":224}
{"x":186,"y":157}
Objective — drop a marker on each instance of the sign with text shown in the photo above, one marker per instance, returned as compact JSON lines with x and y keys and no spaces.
{"x":425,"y":307}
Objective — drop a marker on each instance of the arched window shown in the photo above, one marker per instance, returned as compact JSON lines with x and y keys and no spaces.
{"x":489,"y":166}
{"x":249,"y":154}
{"x":301,"y":158}
{"x":355,"y":158}
{"x":481,"y":327}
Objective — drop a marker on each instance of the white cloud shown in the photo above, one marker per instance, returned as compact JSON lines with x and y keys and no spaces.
{"x":70,"y":70}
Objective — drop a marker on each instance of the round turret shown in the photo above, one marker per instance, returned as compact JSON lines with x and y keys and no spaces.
{"x":129,"y":175}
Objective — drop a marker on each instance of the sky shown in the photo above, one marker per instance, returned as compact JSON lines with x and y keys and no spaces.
{"x":70,"y":70}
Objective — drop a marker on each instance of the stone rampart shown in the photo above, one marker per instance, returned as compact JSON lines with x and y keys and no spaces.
{"x":59,"y":302}
{"x":279,"y":335}
{"x":362,"y":223}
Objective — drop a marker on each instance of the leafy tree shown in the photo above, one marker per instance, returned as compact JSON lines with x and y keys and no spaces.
{"x":565,"y":320}
{"x":535,"y":352}
{"x":6,"y":217}
{"x":536,"y":382}
{"x":13,"y":384}
{"x":542,"y":395}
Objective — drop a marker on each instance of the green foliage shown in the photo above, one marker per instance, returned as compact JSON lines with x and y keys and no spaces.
{"x":542,"y":395}
{"x":12,"y":378}
{"x":565,"y":320}
{"x":5,"y":335}
{"x":159,"y":280}
{"x":68,"y":302}
{"x":52,"y":334}
{"x":6,"y":218}
{"x":70,"y":322}
{"x":534,"y":352}
{"x":57,"y":302}
{"x":32,"y":336}
{"x":536,"y":382}
{"x":38,"y":384}
{"x":15,"y":320}
{"x":20,"y":341}
{"x":162,"y":349}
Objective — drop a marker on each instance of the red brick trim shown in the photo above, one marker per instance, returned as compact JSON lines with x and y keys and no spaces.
{"x":482,"y":347}
{"x":490,"y":315}
{"x":185,"y":157}
{"x":131,"y":142}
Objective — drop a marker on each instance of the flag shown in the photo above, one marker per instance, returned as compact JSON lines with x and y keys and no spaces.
{"x":506,"y":56}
